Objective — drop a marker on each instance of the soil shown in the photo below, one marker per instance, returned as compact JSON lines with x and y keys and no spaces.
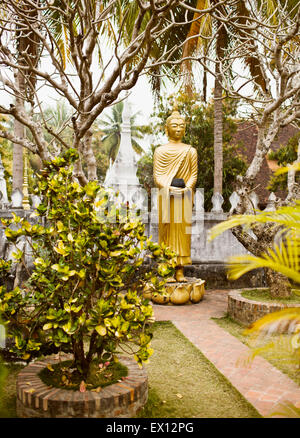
{"x":64,"y":375}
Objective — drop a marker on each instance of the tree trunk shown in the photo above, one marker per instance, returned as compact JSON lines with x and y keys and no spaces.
{"x":79,"y":358}
{"x":218,"y":137}
{"x":90,"y":157}
{"x":19,"y":132}
{"x":18,"y":158}
{"x":221,"y":44}
{"x":278,"y":284}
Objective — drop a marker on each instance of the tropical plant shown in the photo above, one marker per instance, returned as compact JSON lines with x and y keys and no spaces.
{"x":285,"y":155}
{"x":278,"y":256}
{"x":6,"y":152}
{"x":284,"y":258}
{"x":85,"y":294}
{"x":110,"y":125}
{"x":3,"y":373}
{"x":208,"y":39}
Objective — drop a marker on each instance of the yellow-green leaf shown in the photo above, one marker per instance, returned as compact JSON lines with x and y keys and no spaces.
{"x":101,"y":329}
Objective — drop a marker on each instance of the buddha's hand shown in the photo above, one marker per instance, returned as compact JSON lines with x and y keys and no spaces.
{"x":176,"y":191}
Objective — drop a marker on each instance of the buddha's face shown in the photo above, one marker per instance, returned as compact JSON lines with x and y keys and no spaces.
{"x":175,"y":129}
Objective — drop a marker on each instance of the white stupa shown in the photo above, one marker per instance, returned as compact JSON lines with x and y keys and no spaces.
{"x":121,"y":175}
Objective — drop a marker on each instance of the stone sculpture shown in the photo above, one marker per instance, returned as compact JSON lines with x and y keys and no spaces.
{"x":175,"y":175}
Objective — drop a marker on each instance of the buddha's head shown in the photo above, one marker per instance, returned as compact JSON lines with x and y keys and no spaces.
{"x":175,"y":125}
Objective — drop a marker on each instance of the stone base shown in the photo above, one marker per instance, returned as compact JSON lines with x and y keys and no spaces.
{"x":215,"y":276}
{"x":189,"y":292}
{"x":123,"y":399}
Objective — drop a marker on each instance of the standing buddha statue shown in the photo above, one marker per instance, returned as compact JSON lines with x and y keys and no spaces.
{"x":175,"y":175}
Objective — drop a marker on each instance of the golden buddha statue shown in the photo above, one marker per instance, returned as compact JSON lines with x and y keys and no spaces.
{"x":175,"y":175}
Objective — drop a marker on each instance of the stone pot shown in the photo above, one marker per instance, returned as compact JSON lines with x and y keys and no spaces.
{"x":121,"y":400}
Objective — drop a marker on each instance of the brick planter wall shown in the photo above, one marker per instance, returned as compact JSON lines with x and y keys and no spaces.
{"x":247,"y":311}
{"x":122,"y":399}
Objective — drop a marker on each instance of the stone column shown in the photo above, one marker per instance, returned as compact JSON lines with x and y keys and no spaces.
{"x":121,"y":175}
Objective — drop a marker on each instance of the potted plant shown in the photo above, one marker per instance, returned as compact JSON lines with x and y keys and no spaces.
{"x":84,"y":297}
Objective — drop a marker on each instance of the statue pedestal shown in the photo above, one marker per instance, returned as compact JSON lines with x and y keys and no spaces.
{"x":190,"y":292}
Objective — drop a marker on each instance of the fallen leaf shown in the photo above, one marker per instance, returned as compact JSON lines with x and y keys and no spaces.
{"x":82,"y":387}
{"x":31,"y":390}
{"x":179,"y":395}
{"x":49,"y":366}
{"x":97,"y":389}
{"x":108,"y":375}
{"x":28,"y":383}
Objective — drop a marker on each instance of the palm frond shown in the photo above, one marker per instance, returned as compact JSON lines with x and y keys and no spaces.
{"x":287,"y":216}
{"x":284,"y":258}
{"x":136,"y":147}
{"x":283,"y":321}
{"x":287,"y":410}
{"x":111,"y":144}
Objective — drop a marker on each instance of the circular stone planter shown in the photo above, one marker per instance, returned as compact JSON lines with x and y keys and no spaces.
{"x":122,"y":400}
{"x":247,"y":311}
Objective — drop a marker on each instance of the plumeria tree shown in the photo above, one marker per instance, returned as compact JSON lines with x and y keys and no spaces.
{"x":64,"y":51}
{"x":273,"y":40}
{"x":85,"y":294}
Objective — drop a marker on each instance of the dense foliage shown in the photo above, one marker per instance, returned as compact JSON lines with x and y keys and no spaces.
{"x":85,"y":294}
{"x":6,"y":154}
{"x":200,"y":134}
{"x":285,"y":155}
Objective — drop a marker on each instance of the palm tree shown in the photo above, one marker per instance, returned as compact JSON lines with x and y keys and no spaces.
{"x":27,"y":48}
{"x":208,"y":27}
{"x":110,"y":125}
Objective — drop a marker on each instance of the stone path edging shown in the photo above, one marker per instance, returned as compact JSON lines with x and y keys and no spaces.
{"x":260,"y":383}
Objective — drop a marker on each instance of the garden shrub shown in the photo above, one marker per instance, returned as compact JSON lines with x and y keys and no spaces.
{"x":92,"y":261}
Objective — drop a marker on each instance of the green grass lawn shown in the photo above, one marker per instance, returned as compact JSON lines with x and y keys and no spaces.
{"x":8,"y":391}
{"x":264,"y":295}
{"x":280,"y":354}
{"x":182,"y":383}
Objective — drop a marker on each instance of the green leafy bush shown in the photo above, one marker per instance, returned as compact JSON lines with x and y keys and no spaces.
{"x":285,"y":155}
{"x":85,"y":294}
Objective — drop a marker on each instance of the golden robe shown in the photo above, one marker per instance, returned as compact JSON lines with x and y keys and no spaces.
{"x":175,"y":160}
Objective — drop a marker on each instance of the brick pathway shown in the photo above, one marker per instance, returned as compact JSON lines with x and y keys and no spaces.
{"x":260,"y":383}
